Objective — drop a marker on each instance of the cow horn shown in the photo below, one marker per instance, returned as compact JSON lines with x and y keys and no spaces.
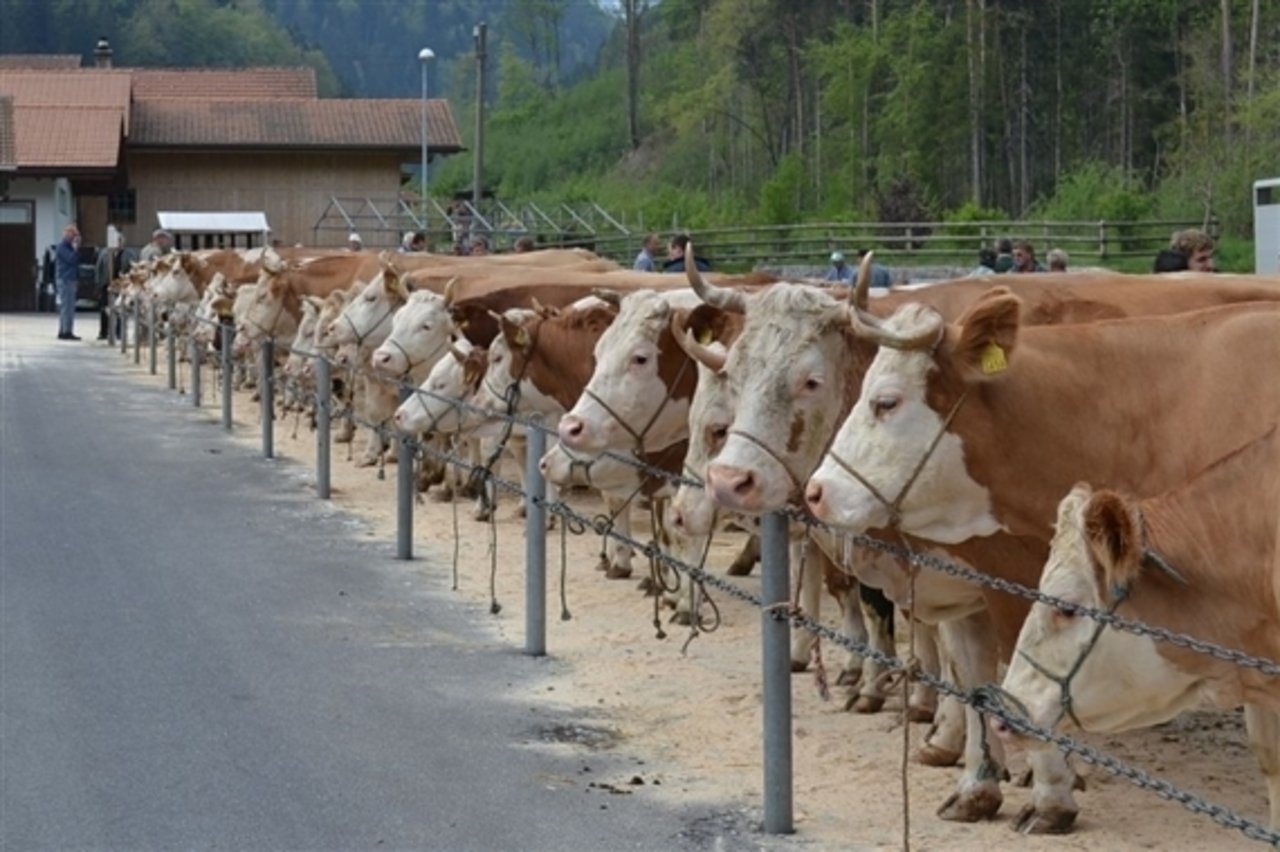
{"x":700,"y":352}
{"x":860,"y":293}
{"x":449,"y":290}
{"x":724,"y":298}
{"x":869,"y":327}
{"x":613,"y":297}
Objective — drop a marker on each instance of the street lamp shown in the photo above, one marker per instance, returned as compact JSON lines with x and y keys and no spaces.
{"x":424,"y":56}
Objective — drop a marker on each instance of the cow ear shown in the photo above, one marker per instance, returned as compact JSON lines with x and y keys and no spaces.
{"x":1114,"y":537}
{"x":393,"y":284}
{"x":987,"y":333}
{"x":515,"y":333}
{"x":221,"y":305}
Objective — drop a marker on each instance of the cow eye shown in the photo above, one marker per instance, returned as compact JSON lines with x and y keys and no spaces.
{"x":812,"y":383}
{"x":1067,"y":613}
{"x":640,"y":360}
{"x":880,"y":406}
{"x":716,"y":434}
{"x":426,"y":326}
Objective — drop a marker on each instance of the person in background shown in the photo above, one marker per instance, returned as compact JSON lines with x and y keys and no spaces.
{"x":839,"y":272}
{"x":1057,"y":259}
{"x":524,"y":245}
{"x":479,"y":246}
{"x":645,"y":259}
{"x":354,"y":243}
{"x":675,"y":256}
{"x":112,"y":262}
{"x":1004,"y":255}
{"x":160,"y":245}
{"x":66,"y":261}
{"x":406,"y":243}
{"x":1170,"y":260}
{"x":1024,"y":258}
{"x":986,"y":263}
{"x":1197,"y":247}
{"x":419,"y":242}
{"x":880,"y":276}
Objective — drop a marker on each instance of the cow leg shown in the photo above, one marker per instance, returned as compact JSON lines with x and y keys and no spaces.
{"x":878,"y":615}
{"x":619,"y":567}
{"x":1263,"y":726}
{"x":1053,"y":808}
{"x":747,"y":558}
{"x":922,"y":703}
{"x":689,"y":551}
{"x":969,"y":643}
{"x":944,"y":744}
{"x":810,"y":581}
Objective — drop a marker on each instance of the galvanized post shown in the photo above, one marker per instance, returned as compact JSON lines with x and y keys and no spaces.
{"x":404,"y":490}
{"x":137,"y":333}
{"x":535,"y":546}
{"x":195,"y":374}
{"x":124,"y":331}
{"x":324,"y":387}
{"x":112,"y":315}
{"x":171,"y":353}
{"x":266,"y":393}
{"x":151,"y":340}
{"x":775,"y":581}
{"x":226,"y":330}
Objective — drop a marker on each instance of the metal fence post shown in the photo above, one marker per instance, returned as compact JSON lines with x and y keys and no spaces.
{"x":266,"y":393}
{"x":535,"y":545}
{"x":113,"y":314}
{"x":226,"y":330}
{"x":195,"y":373}
{"x":151,"y":340}
{"x":171,"y":355}
{"x":775,"y":581}
{"x":324,"y":386}
{"x":137,"y":333}
{"x":404,"y":491}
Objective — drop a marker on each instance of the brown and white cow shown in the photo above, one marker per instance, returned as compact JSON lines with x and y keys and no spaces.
{"x":986,"y":437}
{"x":1220,"y":532}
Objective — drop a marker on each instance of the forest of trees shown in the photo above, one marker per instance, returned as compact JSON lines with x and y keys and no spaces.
{"x":724,"y":111}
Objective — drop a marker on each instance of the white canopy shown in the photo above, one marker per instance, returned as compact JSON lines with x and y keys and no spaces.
{"x":214,"y":223}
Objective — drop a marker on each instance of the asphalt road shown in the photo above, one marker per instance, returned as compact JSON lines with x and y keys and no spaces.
{"x":196,"y":654}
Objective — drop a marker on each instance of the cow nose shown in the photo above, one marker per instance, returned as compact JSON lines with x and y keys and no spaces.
{"x":381,"y":359}
{"x":399,"y":420}
{"x":571,"y":429}
{"x":676,"y":517}
{"x":544,"y":467}
{"x":813,"y":497}
{"x":734,"y":487}
{"x":1001,"y":729}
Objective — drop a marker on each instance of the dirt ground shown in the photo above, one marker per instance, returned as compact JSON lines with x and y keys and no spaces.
{"x":694,"y":718}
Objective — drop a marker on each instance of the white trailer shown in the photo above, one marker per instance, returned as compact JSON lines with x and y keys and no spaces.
{"x":1266,"y":226}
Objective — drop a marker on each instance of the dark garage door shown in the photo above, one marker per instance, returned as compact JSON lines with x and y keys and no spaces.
{"x":17,"y":256}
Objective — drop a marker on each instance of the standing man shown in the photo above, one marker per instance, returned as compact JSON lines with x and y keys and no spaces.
{"x":840,"y":272}
{"x":66,"y":268}
{"x":160,"y":245}
{"x":112,"y":262}
{"x":644,"y":260}
{"x":1197,"y":247}
{"x":676,"y":256}
{"x":1024,"y":258}
{"x":354,"y":243}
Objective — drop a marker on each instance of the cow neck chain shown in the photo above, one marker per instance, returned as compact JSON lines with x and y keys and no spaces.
{"x":510,"y":398}
{"x":639,"y":449}
{"x":408,"y":359}
{"x":360,"y":338}
{"x":269,"y":332}
{"x":895,"y":505}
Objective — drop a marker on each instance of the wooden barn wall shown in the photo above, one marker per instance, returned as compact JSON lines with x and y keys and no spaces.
{"x":292,"y":188}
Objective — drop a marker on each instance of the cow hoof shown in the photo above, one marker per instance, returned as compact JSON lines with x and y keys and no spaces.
{"x":681,"y":617}
{"x":482,"y":515}
{"x":932,"y":755}
{"x":920,"y":714}
{"x":443,"y":495}
{"x":741,"y":568}
{"x":798,"y":666}
{"x":469,"y":492}
{"x":603,"y":563}
{"x":1050,"y":821}
{"x":867,"y":704}
{"x":976,"y":804}
{"x":365,"y":461}
{"x":850,"y":678}
{"x":523,"y":511}
{"x":617,"y":572}
{"x":647,"y":586}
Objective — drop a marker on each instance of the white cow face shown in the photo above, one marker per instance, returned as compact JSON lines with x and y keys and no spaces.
{"x":887,"y":433}
{"x":170,"y":282}
{"x":366,"y":320}
{"x":420,"y":335}
{"x":788,"y":370}
{"x":692,"y":511}
{"x":264,"y":313}
{"x":1123,"y":682}
{"x":295,"y":364}
{"x":450,"y":381}
{"x":627,"y":379}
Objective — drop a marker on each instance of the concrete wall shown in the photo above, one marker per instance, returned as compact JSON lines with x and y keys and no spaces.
{"x":55,"y":207}
{"x":293,"y":189}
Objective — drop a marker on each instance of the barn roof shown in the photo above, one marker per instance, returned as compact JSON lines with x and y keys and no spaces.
{"x":223,"y":83}
{"x":323,"y":123}
{"x":39,"y":61}
{"x":67,"y":118}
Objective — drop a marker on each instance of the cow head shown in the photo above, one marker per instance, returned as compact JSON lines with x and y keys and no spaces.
{"x":453,"y":378}
{"x":641,"y":384}
{"x":899,"y":437}
{"x":366,"y":320}
{"x":269,"y":310}
{"x":295,"y":366}
{"x":1123,"y":682}
{"x":420,"y":334}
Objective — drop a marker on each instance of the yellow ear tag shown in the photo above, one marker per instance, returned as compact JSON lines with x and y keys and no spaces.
{"x":993,"y":360}
{"x":705,"y":337}
{"x":522,"y":338}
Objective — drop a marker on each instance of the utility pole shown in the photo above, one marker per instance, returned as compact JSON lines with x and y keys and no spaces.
{"x":477,"y":173}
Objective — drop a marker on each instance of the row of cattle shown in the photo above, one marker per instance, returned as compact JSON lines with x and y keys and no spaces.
{"x":1109,"y":438}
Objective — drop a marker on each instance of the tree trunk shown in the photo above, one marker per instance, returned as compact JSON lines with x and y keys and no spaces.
{"x":973,"y":22}
{"x":1253,"y":68}
{"x":633,"y":11}
{"x":1226,"y":71}
{"x":1024,"y":110}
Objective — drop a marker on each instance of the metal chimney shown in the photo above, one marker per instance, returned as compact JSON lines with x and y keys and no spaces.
{"x":102,"y":53}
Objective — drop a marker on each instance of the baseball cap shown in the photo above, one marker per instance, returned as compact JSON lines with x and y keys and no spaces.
{"x":837,"y":257}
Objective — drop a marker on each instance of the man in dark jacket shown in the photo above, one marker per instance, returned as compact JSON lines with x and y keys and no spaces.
{"x":676,"y":256}
{"x":66,"y":269}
